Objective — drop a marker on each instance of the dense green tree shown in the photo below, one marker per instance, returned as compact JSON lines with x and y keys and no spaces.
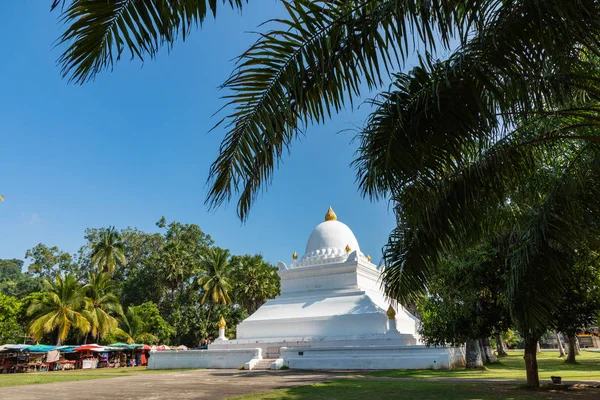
{"x":46,"y":261}
{"x":11,"y":331}
{"x":12,"y":280}
{"x":466,"y":303}
{"x":154,"y":322}
{"x":580,"y":305}
{"x":254,"y":281}
{"x":59,"y":309}
{"x":108,"y":251}
{"x":102,"y":304}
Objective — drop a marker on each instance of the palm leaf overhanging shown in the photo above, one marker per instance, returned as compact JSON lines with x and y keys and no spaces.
{"x":309,"y":66}
{"x":99,"y":31}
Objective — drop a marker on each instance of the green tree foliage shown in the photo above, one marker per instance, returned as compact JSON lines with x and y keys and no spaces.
{"x":11,"y":331}
{"x":254,"y":281}
{"x":12,"y":280}
{"x":46,"y":261}
{"x":59,"y":309}
{"x":580,"y":305}
{"x":466,"y":298}
{"x":108,"y":251}
{"x":143,"y":324}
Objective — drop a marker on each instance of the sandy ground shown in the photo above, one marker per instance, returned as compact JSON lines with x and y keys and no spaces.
{"x":198,"y":384}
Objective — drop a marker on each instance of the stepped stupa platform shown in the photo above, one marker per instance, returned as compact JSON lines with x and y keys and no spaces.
{"x":331,"y":314}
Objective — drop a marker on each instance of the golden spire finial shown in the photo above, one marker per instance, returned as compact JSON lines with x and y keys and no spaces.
{"x":222,"y":324}
{"x":295,"y":256}
{"x":348,"y":248}
{"x":391,"y":313}
{"x":369,"y":258}
{"x":330,"y":216}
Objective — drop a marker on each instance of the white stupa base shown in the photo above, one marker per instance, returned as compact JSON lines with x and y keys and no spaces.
{"x":222,"y":337}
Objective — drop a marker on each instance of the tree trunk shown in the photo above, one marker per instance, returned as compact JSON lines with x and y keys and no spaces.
{"x":85,"y":337}
{"x":473,"y":354}
{"x":571,"y":357}
{"x":500,"y":345}
{"x":538,"y":349}
{"x":531,"y":365}
{"x":561,"y":350}
{"x":577,"y":347}
{"x":487,"y":354}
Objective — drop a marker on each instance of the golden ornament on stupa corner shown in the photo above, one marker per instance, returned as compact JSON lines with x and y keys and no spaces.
{"x":295,"y":256}
{"x":391,"y":313}
{"x":348,"y":248}
{"x":369,"y":258}
{"x":330,"y":216}
{"x":222,"y":324}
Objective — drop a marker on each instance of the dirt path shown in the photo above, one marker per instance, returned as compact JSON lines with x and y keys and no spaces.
{"x":197,"y":384}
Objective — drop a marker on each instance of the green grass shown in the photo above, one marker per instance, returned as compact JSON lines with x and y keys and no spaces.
{"x":32,"y":378}
{"x":354,"y":389}
{"x":513,"y":367}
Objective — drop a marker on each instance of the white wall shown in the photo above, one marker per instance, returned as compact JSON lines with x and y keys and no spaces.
{"x":202,"y":358}
{"x":384,"y":357}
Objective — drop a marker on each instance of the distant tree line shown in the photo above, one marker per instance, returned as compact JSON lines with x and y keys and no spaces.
{"x":169,"y":287}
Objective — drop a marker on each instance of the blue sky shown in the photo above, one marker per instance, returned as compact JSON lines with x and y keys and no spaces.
{"x":133,"y":146}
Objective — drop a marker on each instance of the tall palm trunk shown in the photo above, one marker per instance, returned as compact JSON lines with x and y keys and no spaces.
{"x":500,"y":345}
{"x":473,"y":354}
{"x":531,"y":365}
{"x":561,"y":350}
{"x":572,"y":349}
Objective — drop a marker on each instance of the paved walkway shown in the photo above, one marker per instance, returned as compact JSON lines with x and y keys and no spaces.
{"x":197,"y":384}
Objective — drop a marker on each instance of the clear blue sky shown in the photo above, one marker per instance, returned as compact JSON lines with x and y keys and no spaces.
{"x":134,"y":146}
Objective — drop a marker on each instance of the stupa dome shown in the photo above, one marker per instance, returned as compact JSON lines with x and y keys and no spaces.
{"x":330,"y":239}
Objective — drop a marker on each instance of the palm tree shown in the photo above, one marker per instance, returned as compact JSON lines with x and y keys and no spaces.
{"x":174,"y":262}
{"x":255,"y":282}
{"x":59,"y":309}
{"x":108,"y":251}
{"x":132,"y":328}
{"x":102,"y":304}
{"x":1,"y":199}
{"x":215,"y":279}
{"x":449,"y":142}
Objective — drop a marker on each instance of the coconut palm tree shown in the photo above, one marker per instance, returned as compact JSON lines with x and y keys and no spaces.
{"x":59,"y":309}
{"x":108,"y":251}
{"x":215,"y":277}
{"x":103,"y":305}
{"x":132,"y":328}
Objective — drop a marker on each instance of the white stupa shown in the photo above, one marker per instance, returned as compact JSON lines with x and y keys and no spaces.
{"x":331,"y":314}
{"x":332,"y":293}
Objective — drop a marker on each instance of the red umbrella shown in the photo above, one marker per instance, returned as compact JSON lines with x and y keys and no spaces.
{"x":146,"y":347}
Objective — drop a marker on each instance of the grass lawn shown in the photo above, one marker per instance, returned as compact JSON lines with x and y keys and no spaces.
{"x":76,"y":375}
{"x":513,"y":367}
{"x":353,"y":389}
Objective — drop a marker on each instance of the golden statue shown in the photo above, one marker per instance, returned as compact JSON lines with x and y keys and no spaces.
{"x":295,"y":256}
{"x":222,"y":324}
{"x":348,"y":248}
{"x":369,"y":258}
{"x":330,"y":216}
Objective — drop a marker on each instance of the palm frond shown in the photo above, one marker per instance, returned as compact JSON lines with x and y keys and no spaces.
{"x":310,"y":66}
{"x":99,"y":31}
